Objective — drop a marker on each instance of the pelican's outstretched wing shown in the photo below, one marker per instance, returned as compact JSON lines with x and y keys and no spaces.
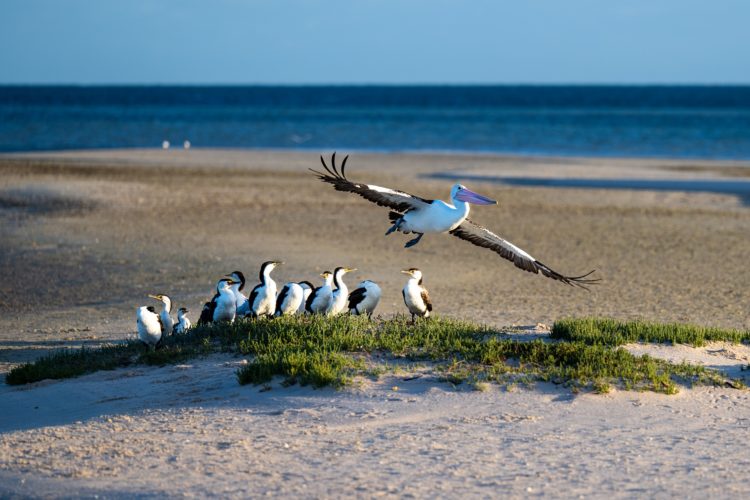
{"x":385,"y":197}
{"x":482,"y":237}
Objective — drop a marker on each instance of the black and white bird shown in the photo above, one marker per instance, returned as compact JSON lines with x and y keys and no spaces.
{"x":223,"y":305}
{"x":307,"y":289}
{"x":183,"y":322}
{"x":165,"y":315}
{"x":320,"y":298}
{"x":263,"y":297}
{"x":340,"y":295}
{"x":149,"y":326}
{"x":243,"y":306}
{"x":416,"y":298}
{"x":364,"y":299}
{"x":291,"y":297}
{"x":412,"y":214}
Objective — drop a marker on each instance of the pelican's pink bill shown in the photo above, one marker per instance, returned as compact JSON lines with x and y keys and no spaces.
{"x":468,"y":196}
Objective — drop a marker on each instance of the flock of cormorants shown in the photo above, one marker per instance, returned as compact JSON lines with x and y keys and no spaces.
{"x":230,"y":303}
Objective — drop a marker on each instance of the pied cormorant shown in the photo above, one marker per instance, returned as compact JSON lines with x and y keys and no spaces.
{"x":320,"y":298}
{"x":183,"y":322}
{"x":149,"y":326}
{"x":290,"y":298}
{"x":263,"y":297}
{"x":243,"y":306}
{"x":222,"y":306}
{"x":165,"y":315}
{"x":364,"y":299}
{"x":307,"y":289}
{"x":416,"y":298}
{"x":340,"y":294}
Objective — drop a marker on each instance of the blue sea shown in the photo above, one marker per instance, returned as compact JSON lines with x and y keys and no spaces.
{"x":706,"y":122}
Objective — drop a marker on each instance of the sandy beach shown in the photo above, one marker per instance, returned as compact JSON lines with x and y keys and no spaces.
{"x":86,"y":236}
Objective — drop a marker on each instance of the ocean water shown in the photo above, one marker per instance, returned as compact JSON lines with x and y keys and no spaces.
{"x":642,"y":121}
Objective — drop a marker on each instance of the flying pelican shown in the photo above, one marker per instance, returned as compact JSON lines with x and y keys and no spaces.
{"x":183,"y":322}
{"x":340,"y":295}
{"x":223,"y":306}
{"x":307,"y":289}
{"x":167,"y":323}
{"x":263,"y":297}
{"x":416,"y":298}
{"x":364,"y":299}
{"x":412,"y":214}
{"x":290,"y":298}
{"x":320,"y":298}
{"x":243,"y":306}
{"x":149,"y":326}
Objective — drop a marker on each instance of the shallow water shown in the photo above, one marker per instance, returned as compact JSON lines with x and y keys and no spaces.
{"x":656,"y":121}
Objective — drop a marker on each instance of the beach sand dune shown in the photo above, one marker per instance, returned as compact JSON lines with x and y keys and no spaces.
{"x":87,"y":235}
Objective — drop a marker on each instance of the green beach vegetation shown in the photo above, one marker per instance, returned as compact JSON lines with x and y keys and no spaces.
{"x":319,"y":351}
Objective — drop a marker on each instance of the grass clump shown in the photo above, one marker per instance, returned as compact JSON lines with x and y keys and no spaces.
{"x":71,"y":362}
{"x":611,"y":332}
{"x":321,"y":351}
{"x":314,"y":350}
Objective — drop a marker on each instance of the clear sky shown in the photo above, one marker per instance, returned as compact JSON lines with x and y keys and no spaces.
{"x":374,"y":41}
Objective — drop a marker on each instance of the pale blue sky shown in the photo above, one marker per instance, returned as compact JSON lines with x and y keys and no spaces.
{"x":374,"y":41}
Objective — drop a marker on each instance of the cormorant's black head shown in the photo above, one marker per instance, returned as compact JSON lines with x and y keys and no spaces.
{"x":266,"y":268}
{"x":238,"y":276}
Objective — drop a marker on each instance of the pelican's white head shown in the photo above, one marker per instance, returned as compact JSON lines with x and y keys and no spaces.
{"x":459,"y":192}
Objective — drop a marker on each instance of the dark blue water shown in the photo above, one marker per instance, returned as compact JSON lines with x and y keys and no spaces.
{"x":659,"y":121}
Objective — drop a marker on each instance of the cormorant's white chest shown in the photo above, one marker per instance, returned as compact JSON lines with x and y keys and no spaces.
{"x":226,"y":306}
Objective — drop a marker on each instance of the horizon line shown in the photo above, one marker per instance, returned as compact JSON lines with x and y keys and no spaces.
{"x":381,"y":84}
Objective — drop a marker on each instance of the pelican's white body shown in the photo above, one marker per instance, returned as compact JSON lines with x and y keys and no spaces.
{"x":226,"y":304}
{"x":438,"y":217}
{"x":149,"y":328}
{"x":371,"y":300}
{"x":292,"y":301}
{"x":323,"y":297}
{"x":183,"y":323}
{"x":413,"y":296}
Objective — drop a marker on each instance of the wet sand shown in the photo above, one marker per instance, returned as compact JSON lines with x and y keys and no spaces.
{"x":87,"y":235}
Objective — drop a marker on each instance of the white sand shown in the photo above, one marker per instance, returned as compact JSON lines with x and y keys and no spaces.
{"x":191,"y":430}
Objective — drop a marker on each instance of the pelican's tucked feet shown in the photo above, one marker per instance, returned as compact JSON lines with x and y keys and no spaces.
{"x":413,"y":242}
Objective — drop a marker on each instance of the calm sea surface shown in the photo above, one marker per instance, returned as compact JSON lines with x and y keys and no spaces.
{"x":659,"y":121}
